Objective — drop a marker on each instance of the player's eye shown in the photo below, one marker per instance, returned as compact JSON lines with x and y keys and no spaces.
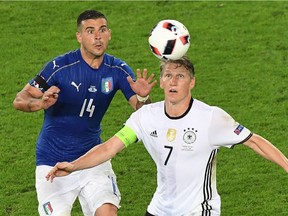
{"x":168,"y":76}
{"x":180,"y":76}
{"x":90,"y":31}
{"x":103,"y":29}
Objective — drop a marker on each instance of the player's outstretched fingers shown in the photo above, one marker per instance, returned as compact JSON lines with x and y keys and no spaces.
{"x":144,"y":74}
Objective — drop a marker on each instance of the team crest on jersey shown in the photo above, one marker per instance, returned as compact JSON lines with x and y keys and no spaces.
{"x":189,"y":137}
{"x":107,"y":85}
{"x":92,"y":89}
{"x":48,"y":208}
{"x":171,"y":134}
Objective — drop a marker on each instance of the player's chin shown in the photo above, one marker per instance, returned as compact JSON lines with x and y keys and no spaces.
{"x":98,"y":51}
{"x":98,"y":54}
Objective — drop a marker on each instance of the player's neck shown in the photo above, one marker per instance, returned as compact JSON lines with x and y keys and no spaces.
{"x":92,"y":60}
{"x":177,"y":109}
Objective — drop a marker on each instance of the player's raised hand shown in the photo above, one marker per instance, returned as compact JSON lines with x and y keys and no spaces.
{"x":50,"y":97}
{"x":143,"y":85}
{"x":60,"y":169}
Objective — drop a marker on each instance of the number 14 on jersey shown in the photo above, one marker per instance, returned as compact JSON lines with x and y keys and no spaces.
{"x":89,"y":108}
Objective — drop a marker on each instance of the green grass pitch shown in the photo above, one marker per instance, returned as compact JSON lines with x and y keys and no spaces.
{"x":240,"y":52}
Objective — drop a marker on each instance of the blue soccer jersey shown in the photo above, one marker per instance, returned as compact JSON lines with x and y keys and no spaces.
{"x":72,"y":125}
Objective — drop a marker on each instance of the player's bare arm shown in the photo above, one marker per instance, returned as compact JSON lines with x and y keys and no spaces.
{"x":93,"y":157}
{"x":31,"y":99}
{"x":142,"y":87}
{"x":267,"y":150}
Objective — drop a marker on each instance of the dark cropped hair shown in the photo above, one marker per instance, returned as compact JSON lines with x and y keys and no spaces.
{"x":89,"y":14}
{"x":184,"y":61}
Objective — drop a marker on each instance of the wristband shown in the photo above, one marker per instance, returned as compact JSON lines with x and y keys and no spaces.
{"x":142,"y":99}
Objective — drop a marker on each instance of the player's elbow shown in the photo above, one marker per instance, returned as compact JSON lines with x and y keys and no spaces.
{"x":17,"y":103}
{"x":112,"y":152}
{"x":21,"y":103}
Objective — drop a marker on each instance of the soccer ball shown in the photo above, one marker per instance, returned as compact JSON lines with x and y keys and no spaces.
{"x":169,"y":39}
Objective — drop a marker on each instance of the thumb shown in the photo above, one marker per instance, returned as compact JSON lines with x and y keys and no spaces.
{"x":62,"y":165}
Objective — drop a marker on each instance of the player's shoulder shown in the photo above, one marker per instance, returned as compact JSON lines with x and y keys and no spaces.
{"x":212,"y":109}
{"x":154,"y":107}
{"x":202,"y":106}
{"x":112,"y":60}
{"x":68,"y":58}
{"x":149,"y":111}
{"x":117,"y":63}
{"x":63,"y":61}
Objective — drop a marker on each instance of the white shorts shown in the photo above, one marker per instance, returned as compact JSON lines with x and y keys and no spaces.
{"x":94,"y":187}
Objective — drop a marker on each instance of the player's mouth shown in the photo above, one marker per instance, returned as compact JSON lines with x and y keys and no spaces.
{"x":172,"y":91}
{"x":97,"y":45}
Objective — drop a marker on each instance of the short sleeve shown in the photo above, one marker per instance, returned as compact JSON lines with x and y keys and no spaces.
{"x":225,"y":131}
{"x":135,"y":124}
{"x":125,"y":71}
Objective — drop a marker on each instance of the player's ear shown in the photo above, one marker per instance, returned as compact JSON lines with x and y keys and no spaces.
{"x":110,"y":33}
{"x":161,"y":83}
{"x":79,"y":37}
{"x":192,"y":83}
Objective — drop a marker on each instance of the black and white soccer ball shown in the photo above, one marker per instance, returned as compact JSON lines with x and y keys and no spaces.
{"x":169,"y":39}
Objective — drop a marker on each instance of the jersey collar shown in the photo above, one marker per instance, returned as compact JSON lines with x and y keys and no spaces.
{"x":184,"y":114}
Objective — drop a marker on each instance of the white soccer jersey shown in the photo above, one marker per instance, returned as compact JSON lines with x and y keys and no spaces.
{"x":184,"y":150}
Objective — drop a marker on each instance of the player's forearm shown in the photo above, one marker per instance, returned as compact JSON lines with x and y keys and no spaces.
{"x":268,"y":151}
{"x":280,"y":159}
{"x":26,"y":103}
{"x":90,"y":159}
{"x":99,"y":154}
